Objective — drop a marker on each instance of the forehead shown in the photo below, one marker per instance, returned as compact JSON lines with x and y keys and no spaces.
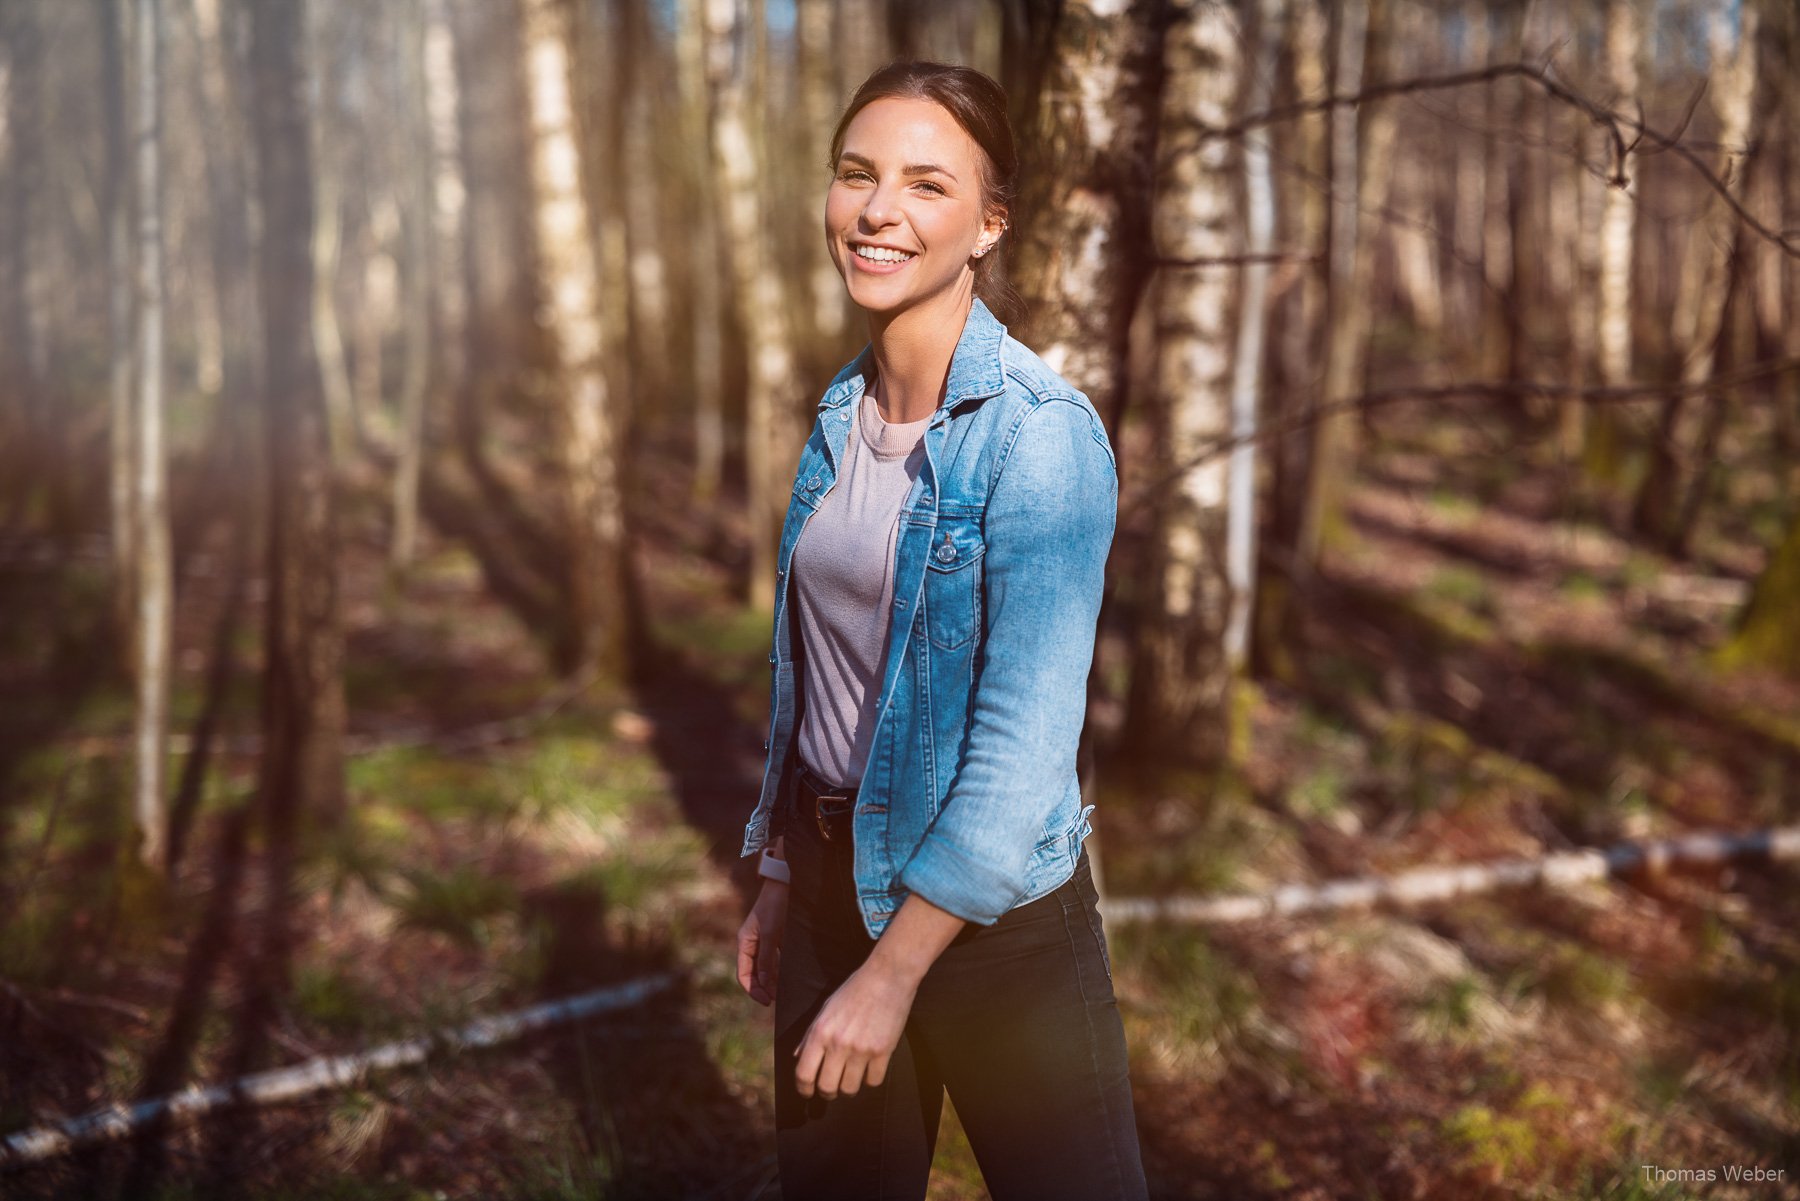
{"x":906,"y":129}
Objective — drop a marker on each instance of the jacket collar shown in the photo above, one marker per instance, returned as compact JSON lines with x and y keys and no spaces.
{"x":976,"y":370}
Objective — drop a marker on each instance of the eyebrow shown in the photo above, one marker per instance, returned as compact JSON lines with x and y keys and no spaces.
{"x":909,"y":169}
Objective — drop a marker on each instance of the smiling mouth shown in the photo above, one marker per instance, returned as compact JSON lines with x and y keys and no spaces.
{"x":878,"y":254}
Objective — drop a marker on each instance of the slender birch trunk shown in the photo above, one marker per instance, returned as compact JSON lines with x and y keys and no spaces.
{"x":328,"y":338}
{"x":302,"y":770}
{"x":443,"y":92}
{"x":1700,"y":318}
{"x":820,"y":105}
{"x":1083,"y":248}
{"x":1470,"y":202}
{"x":1618,"y":220}
{"x":1501,"y":203}
{"x":758,"y":290}
{"x":595,"y":584}
{"x":1578,"y":196}
{"x":1335,"y":437}
{"x":1247,"y":363}
{"x":23,"y":427}
{"x":703,"y":256}
{"x":155,"y":591}
{"x":377,"y":306}
{"x":1298,"y":321}
{"x":116,"y":206}
{"x":418,"y":226}
{"x":1180,"y":678}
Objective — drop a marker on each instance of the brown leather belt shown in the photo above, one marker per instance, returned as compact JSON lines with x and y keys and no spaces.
{"x":828,"y":808}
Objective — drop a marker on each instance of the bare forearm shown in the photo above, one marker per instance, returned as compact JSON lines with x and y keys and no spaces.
{"x":913,"y":940}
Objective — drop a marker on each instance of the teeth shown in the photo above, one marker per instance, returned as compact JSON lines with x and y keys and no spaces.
{"x":882,"y":254}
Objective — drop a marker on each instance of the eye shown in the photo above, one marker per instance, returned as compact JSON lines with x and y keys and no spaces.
{"x":926,"y":183}
{"x":854,"y":173}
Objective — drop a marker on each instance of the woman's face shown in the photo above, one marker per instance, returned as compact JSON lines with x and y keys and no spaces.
{"x":903,"y":217}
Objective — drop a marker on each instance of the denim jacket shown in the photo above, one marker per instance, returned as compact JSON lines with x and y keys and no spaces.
{"x":969,"y":796}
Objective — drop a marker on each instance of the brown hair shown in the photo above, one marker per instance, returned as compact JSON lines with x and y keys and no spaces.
{"x":978,"y":104}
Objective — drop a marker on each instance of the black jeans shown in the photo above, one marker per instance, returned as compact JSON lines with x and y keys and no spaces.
{"x":1016,"y":1019}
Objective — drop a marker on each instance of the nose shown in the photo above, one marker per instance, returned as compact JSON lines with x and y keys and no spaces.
{"x":880,"y":209}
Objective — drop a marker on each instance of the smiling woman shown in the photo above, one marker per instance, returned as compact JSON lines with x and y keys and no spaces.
{"x":929,"y":920}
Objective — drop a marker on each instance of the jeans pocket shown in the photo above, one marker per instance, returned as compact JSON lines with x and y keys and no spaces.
{"x":1089,"y":900}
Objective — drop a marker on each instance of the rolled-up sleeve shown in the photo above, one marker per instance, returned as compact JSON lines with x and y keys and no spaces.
{"x":1048,"y":529}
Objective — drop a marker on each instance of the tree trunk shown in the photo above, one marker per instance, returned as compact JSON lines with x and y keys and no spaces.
{"x":155,"y":586}
{"x":1180,"y":678}
{"x":302,"y":769}
{"x":443,"y":90}
{"x":820,"y":105}
{"x":22,"y":424}
{"x":595,"y":582}
{"x":703,"y":257}
{"x":1501,"y":203}
{"x":1618,"y":219}
{"x":116,"y":211}
{"x":1766,"y":634}
{"x":1580,"y":198}
{"x":1700,"y":318}
{"x":421,"y":284}
{"x":758,"y":294}
{"x":1084,"y":250}
{"x":1298,"y":321}
{"x":1335,"y":436}
{"x":340,"y":400}
{"x":1247,"y":364}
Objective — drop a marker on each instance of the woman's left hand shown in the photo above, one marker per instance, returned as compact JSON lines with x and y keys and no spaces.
{"x":855,"y":1033}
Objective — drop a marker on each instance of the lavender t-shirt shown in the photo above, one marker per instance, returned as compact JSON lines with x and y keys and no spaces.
{"x":844,"y":574}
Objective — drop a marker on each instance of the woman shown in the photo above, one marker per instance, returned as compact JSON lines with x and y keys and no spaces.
{"x":927,"y":918}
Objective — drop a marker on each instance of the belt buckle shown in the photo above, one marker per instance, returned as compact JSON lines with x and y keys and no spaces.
{"x":819,"y":813}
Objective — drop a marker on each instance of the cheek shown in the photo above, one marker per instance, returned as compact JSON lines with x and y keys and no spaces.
{"x":840,"y":211}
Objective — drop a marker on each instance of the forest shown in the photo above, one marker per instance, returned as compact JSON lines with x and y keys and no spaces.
{"x":398,"y":406}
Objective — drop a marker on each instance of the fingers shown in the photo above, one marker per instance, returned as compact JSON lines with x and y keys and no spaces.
{"x":746,"y":958}
{"x":806,"y":1067}
{"x":750,"y":956}
{"x":832,"y":1069}
{"x":768,"y":967}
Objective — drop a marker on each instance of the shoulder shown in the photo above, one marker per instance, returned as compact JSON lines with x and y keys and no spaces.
{"x":1038,"y":404}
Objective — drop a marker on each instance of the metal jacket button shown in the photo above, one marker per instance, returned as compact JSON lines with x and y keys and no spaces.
{"x":947,"y":552}
{"x":812,"y":485}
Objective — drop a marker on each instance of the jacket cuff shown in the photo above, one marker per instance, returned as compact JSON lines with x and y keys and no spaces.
{"x":973,"y":890}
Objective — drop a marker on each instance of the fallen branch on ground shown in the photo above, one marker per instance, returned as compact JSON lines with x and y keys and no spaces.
{"x":1445,"y":883}
{"x":315,"y":1075}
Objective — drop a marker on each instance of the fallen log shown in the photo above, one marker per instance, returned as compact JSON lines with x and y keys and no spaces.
{"x":315,"y":1075}
{"x":1443,"y":883}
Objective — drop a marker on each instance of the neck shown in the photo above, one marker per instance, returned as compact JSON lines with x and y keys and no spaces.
{"x":912,"y":351}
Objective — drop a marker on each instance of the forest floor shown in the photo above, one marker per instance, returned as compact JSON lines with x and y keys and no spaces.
{"x":1478,"y":675}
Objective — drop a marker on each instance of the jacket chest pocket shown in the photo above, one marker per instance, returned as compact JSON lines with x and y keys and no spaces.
{"x":953,"y":583}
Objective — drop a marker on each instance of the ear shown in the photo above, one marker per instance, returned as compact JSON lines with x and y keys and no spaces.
{"x":992,"y":226}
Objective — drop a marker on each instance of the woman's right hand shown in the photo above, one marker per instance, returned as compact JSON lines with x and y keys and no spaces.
{"x":759,"y":942}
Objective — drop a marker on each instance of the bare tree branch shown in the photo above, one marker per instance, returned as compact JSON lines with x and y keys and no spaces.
{"x":317,"y":1075}
{"x":1615,"y":123}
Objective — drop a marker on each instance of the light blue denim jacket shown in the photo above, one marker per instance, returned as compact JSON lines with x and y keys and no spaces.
{"x":969,"y":796}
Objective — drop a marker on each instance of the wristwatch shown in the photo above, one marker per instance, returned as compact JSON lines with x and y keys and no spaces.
{"x":773,"y":868}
